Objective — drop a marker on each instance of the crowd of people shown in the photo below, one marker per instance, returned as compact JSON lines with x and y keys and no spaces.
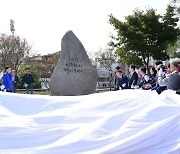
{"x":9,"y":80}
{"x":160,"y":78}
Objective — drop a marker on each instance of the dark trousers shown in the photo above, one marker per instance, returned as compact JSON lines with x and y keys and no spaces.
{"x":29,"y":88}
{"x":14,"y":88}
{"x":178,"y":92}
{"x":9,"y":91}
{"x":116,"y":88}
{"x":159,"y":89}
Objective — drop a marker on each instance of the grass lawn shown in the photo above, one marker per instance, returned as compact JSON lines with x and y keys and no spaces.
{"x":47,"y":92}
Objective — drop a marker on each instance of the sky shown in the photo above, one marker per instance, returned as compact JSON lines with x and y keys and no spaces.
{"x":44,"y":22}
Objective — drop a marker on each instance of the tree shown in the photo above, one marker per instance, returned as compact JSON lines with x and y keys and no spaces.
{"x":13,"y":50}
{"x":176,"y":3}
{"x":106,"y":58}
{"x":174,"y":50}
{"x":144,"y":35}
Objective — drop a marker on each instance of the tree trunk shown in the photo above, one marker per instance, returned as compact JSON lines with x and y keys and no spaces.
{"x":110,"y":80}
{"x":146,"y":63}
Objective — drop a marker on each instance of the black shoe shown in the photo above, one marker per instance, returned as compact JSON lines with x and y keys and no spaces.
{"x":178,"y":92}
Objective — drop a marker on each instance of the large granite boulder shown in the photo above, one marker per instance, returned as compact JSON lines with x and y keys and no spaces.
{"x":74,"y":74}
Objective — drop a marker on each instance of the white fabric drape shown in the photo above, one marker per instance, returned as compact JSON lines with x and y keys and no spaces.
{"x":120,"y":122}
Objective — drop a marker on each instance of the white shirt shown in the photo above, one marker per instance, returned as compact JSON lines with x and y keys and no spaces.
{"x":146,"y":77}
{"x":132,"y":73}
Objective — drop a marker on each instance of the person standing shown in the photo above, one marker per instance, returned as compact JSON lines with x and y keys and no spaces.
{"x":1,"y":76}
{"x":28,"y":81}
{"x":133,"y":78}
{"x":7,"y":80}
{"x":15,"y":81}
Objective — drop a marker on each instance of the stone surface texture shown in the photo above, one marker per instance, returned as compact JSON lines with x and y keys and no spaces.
{"x":74,"y":74}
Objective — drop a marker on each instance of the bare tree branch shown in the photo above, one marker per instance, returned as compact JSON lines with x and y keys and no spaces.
{"x":13,"y":50}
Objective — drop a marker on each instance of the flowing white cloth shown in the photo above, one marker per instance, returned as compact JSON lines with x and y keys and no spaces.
{"x":121,"y":122}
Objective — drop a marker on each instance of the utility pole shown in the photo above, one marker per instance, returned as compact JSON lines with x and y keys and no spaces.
{"x":12,"y":26}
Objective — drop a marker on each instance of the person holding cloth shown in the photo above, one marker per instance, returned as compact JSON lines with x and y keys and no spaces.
{"x":15,"y":81}
{"x":133,"y":78}
{"x":28,"y":81}
{"x":7,"y":80}
{"x":172,"y":80}
{"x":121,"y":80}
{"x":1,"y":76}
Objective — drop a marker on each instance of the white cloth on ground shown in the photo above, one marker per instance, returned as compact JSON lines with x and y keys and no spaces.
{"x":121,"y":122}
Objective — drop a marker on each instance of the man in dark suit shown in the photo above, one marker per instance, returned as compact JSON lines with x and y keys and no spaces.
{"x":28,"y":81}
{"x":121,"y":80}
{"x":133,"y":77}
{"x":15,"y":81}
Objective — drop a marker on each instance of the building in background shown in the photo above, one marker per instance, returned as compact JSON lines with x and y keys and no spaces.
{"x":45,"y":64}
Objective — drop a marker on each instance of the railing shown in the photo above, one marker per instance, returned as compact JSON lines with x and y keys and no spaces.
{"x":47,"y":91}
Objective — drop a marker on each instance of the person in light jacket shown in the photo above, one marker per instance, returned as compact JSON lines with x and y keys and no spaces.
{"x":172,"y":80}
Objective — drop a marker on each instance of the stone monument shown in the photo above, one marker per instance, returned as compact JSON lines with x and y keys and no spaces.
{"x":74,"y":74}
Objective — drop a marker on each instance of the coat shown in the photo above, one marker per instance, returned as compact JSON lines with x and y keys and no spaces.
{"x":15,"y":82}
{"x":153,"y":80}
{"x":7,"y":81}
{"x":172,"y":81}
{"x":144,"y":80}
{"x":133,"y":79}
{"x":122,"y":82}
{"x":28,"y":79}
